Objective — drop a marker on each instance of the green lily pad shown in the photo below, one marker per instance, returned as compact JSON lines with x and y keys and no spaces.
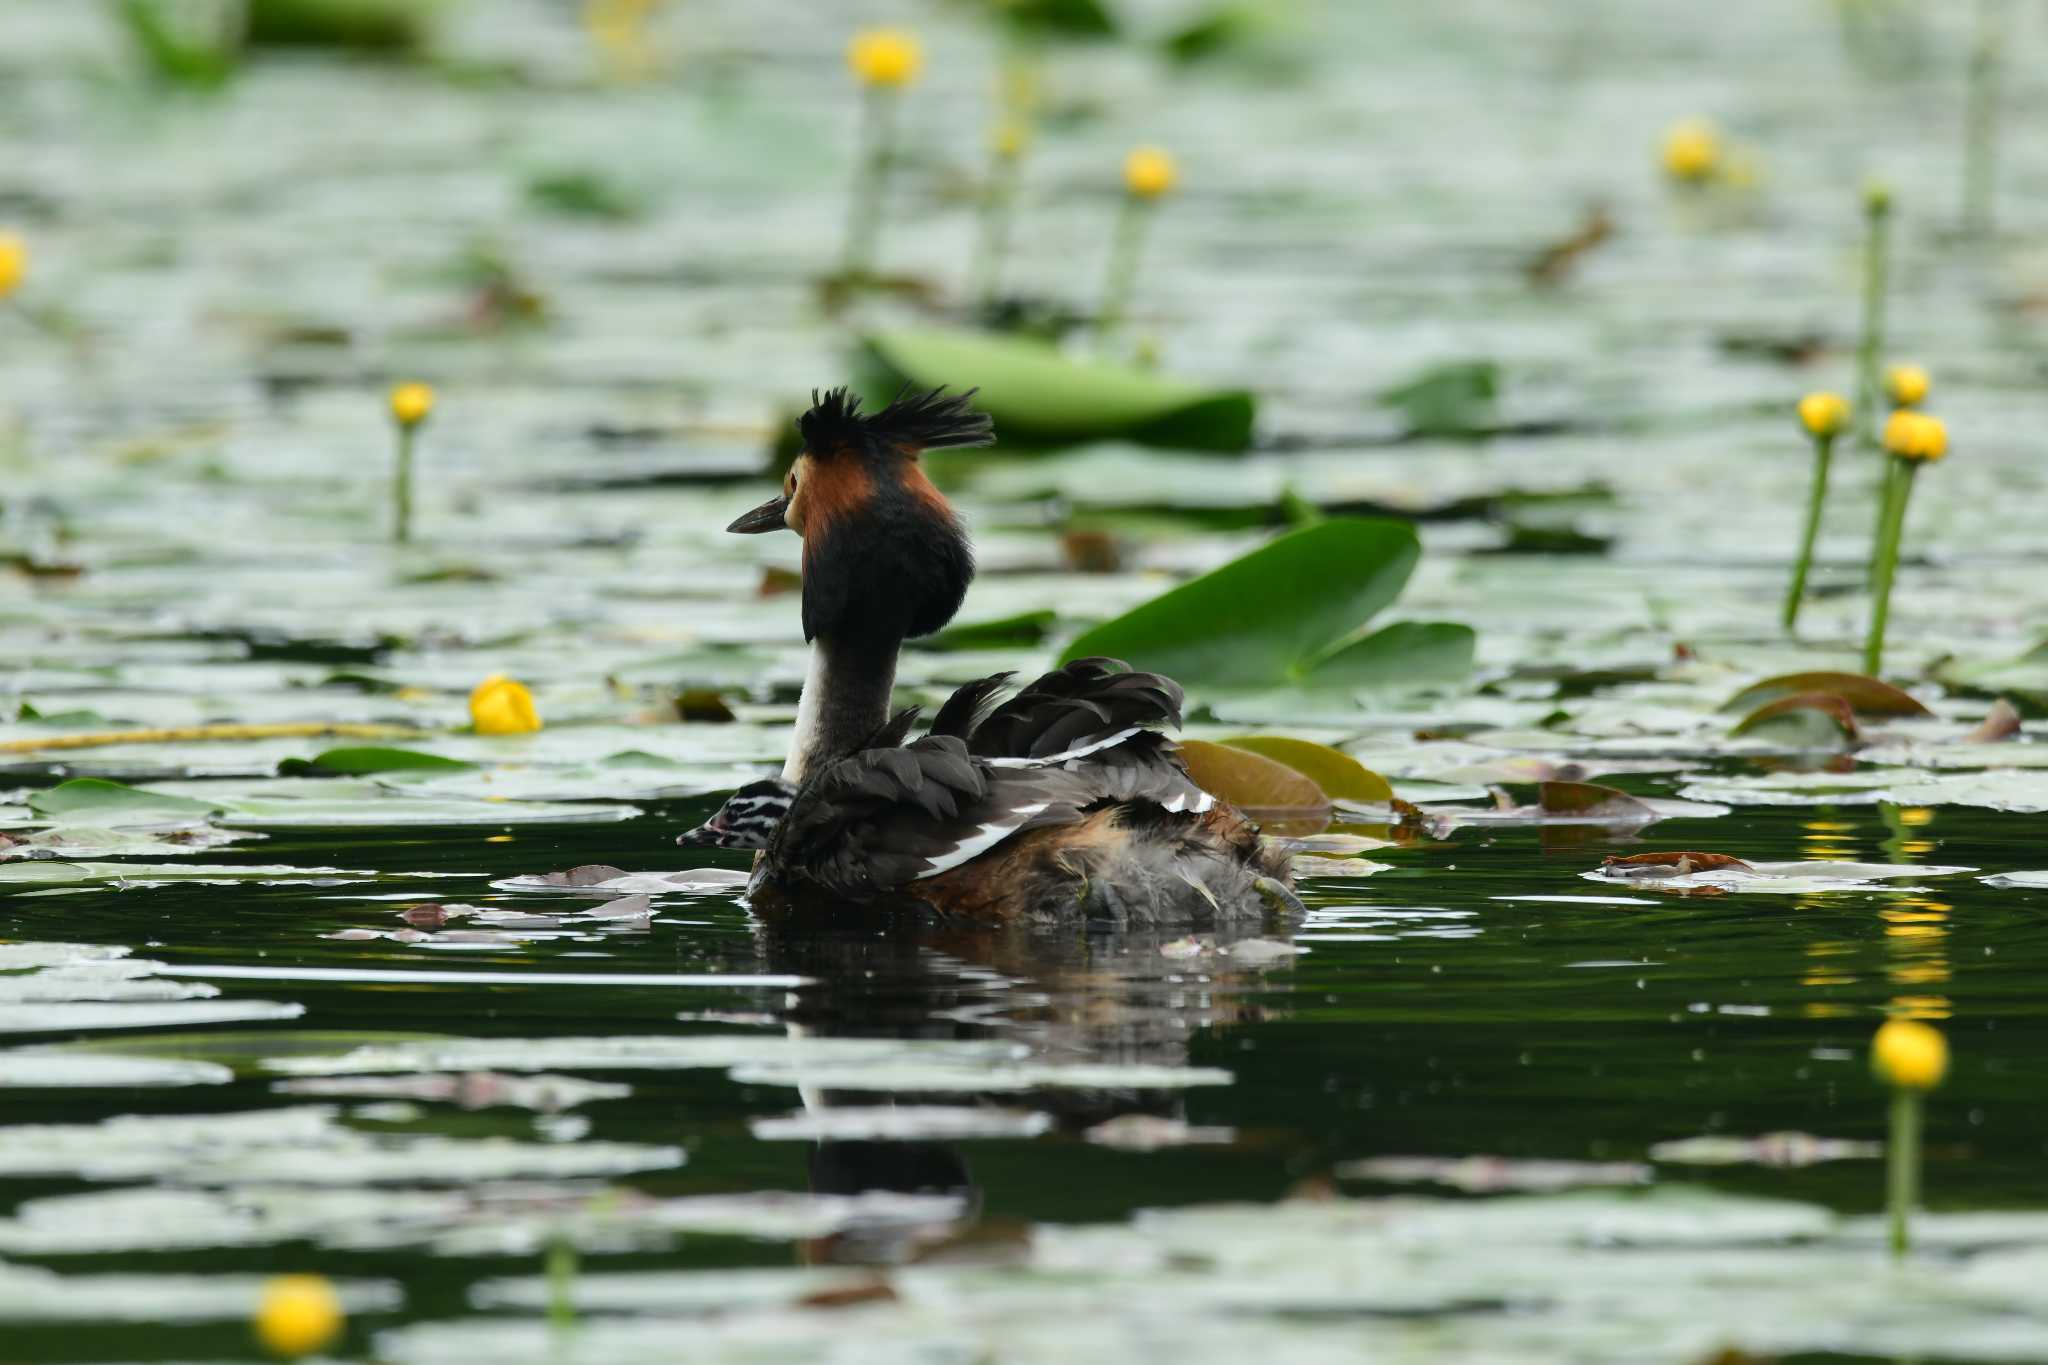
{"x":372,"y":759}
{"x":1039,"y":396}
{"x":1279,"y":615}
{"x":97,"y":799}
{"x":1456,"y":399}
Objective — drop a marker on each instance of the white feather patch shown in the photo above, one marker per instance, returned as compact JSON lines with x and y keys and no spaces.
{"x":980,"y":842}
{"x":1082,"y":752}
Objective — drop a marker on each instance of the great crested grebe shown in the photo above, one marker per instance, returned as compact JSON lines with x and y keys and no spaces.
{"x":1060,"y":801}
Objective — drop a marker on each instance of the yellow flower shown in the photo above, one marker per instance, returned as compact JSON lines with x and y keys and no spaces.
{"x":298,"y":1315}
{"x":1823,"y":413}
{"x":1909,"y":1054}
{"x":1692,"y":151}
{"x":1011,"y":138}
{"x":13,"y":263}
{"x":500,"y":706}
{"x":1907,"y":384}
{"x":885,"y":56}
{"x":1149,"y":172}
{"x":1916,"y":436}
{"x":411,"y":403}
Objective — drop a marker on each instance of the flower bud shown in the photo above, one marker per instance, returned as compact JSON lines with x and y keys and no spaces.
{"x":1909,"y":1055}
{"x":1149,"y":173}
{"x":885,"y":57}
{"x":1824,"y":414}
{"x":501,"y":706}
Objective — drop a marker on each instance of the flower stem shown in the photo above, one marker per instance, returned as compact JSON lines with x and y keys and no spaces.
{"x":1876,"y":247}
{"x":993,"y":244}
{"x":561,"y":1267}
{"x":1898,"y":490}
{"x":1980,"y":151}
{"x":401,"y":488}
{"x":878,"y":158}
{"x":1816,"y":498}
{"x":1124,"y":250}
{"x":1902,"y":1166}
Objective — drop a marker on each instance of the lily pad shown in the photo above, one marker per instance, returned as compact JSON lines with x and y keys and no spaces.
{"x":1342,"y":777}
{"x":1036,"y":394}
{"x":96,"y":800}
{"x":1252,"y":781}
{"x":1866,"y":696}
{"x":1273,"y":617}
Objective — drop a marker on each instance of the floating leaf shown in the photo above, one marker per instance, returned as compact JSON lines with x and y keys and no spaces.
{"x":1592,"y":801}
{"x":1400,"y":655}
{"x":1454,"y":399}
{"x":1274,"y":617}
{"x":1865,"y":696}
{"x":1023,"y":629}
{"x":1252,"y":781}
{"x":1036,"y":394}
{"x":1671,"y":864}
{"x":371,"y":759}
{"x":99,"y":799}
{"x":1805,"y":720}
{"x":1342,"y":777}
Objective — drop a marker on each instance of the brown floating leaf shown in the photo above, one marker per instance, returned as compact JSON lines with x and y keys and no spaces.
{"x":2002,"y":722}
{"x":1551,"y":265}
{"x":1806,"y":718}
{"x":877,"y":1290}
{"x":702,"y":704}
{"x":776,"y":581}
{"x":590,"y":874}
{"x":1592,"y":800}
{"x":1252,"y":781}
{"x":1670,"y":864}
{"x":1341,"y":777}
{"x":1864,"y":695}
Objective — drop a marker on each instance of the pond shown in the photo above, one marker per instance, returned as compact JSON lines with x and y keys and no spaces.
{"x":273,"y":1008}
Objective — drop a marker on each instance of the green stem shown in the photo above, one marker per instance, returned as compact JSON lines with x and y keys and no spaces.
{"x":993,"y":244}
{"x":1816,"y":498}
{"x":1902,"y":1166}
{"x":1876,"y":249}
{"x":561,"y":1278}
{"x":878,"y":158}
{"x":1980,"y":150}
{"x":1898,"y":491}
{"x":401,"y":488}
{"x":1124,"y":250}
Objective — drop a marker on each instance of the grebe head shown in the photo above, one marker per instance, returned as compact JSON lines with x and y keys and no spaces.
{"x":749,"y":817}
{"x":884,"y":556}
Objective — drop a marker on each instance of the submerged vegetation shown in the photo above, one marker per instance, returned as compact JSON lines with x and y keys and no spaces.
{"x":1423,"y":411}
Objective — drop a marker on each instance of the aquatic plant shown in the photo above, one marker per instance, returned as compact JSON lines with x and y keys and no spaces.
{"x":1912,"y":439}
{"x":1911,"y":1058}
{"x":1691,"y":152}
{"x":619,"y":31}
{"x":1150,"y":174}
{"x":1877,"y":212}
{"x":13,"y":263}
{"x":503,"y":706}
{"x":1007,"y":145}
{"x":886,"y":61}
{"x":1980,"y":122}
{"x":1907,"y":385}
{"x":1825,"y":416}
{"x":411,"y":404}
{"x":298,"y":1315}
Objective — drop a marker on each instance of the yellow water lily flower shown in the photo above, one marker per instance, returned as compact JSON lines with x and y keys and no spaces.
{"x":298,"y":1315}
{"x":1907,"y":385}
{"x":1011,"y":137}
{"x":1150,"y":172}
{"x":412,"y":403}
{"x":1692,"y":151}
{"x":1914,"y":435}
{"x":1909,"y":1054}
{"x":502,"y":706}
{"x":1824,"y":414}
{"x":885,"y":56}
{"x":13,"y":262}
